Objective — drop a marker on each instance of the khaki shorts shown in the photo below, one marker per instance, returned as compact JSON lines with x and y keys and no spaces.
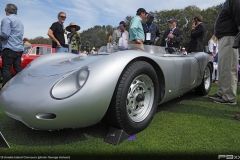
{"x":136,"y":46}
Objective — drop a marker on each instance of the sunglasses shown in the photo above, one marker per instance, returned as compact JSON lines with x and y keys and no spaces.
{"x":63,"y":17}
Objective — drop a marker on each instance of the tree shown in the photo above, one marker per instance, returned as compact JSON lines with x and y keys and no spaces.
{"x":209,"y":18}
{"x":128,"y":20}
{"x":97,"y":36}
{"x":40,"y":40}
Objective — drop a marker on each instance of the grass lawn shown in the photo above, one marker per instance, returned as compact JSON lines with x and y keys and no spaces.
{"x":188,"y":127}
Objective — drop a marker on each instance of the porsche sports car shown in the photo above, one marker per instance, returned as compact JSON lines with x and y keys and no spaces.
{"x":124,"y":87}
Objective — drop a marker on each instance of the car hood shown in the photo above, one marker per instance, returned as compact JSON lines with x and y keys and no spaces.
{"x":60,"y":67}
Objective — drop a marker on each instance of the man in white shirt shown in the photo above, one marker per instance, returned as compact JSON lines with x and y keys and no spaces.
{"x":121,"y":36}
{"x":93,"y":51}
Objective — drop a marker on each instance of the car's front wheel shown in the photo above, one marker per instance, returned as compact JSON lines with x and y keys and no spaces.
{"x":135,"y":99}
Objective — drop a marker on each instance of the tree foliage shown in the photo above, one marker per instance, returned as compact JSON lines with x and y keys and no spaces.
{"x":40,"y":40}
{"x":97,"y":36}
{"x":128,"y":20}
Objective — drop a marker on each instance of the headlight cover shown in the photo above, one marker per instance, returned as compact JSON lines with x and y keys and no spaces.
{"x":70,"y":84}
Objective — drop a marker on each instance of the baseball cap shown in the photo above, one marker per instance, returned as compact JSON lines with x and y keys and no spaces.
{"x":142,"y":10}
{"x":123,"y":23}
{"x":150,"y":14}
{"x":172,"y":20}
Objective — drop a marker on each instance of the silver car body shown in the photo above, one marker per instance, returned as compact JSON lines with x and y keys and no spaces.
{"x":27,"y":97}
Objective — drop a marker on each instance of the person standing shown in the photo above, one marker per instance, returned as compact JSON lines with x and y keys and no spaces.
{"x":136,"y":30}
{"x":215,"y":69}
{"x":74,"y":38}
{"x":12,"y":31}
{"x":226,"y":29}
{"x":173,"y":36}
{"x":197,"y":35}
{"x":93,"y":51}
{"x":25,"y":42}
{"x":57,"y":33}
{"x":26,"y":46}
{"x":151,"y":30}
{"x":121,"y":36}
{"x":213,"y":46}
{"x":213,"y":49}
{"x":184,"y":52}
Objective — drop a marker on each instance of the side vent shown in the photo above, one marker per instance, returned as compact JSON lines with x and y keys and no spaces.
{"x":46,"y":116}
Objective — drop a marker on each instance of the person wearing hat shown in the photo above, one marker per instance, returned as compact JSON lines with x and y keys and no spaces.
{"x":25,"y":42}
{"x":197,"y":34}
{"x":58,"y":34}
{"x":93,"y":51}
{"x":173,"y":36}
{"x":74,"y":39}
{"x":121,"y":36}
{"x":136,"y":32}
{"x":184,"y":52}
{"x":151,"y":30}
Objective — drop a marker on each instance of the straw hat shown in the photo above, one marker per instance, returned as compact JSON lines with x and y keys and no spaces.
{"x":72,"y":24}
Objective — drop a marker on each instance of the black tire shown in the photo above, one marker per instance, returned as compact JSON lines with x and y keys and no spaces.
{"x":206,"y":84}
{"x":133,"y":90}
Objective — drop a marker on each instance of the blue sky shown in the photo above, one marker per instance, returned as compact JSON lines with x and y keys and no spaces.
{"x":38,"y":15}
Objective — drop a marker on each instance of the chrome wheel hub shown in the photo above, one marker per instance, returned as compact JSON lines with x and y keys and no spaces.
{"x":207,"y":78}
{"x":140,"y":98}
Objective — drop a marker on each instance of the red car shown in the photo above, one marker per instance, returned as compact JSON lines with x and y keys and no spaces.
{"x":30,"y":54}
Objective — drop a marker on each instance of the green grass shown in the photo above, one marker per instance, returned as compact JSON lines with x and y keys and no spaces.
{"x":187,"y":126}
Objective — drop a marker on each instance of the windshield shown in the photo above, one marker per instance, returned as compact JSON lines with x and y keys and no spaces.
{"x":145,"y":48}
{"x":26,"y":49}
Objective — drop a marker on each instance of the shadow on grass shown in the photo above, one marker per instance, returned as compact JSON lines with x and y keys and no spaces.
{"x":17,"y":133}
{"x":198,"y":105}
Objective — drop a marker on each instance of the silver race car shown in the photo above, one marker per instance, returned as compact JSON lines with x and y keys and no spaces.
{"x":66,"y":90}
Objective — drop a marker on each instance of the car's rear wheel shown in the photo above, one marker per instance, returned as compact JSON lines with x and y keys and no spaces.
{"x":206,"y":84}
{"x":135,"y":99}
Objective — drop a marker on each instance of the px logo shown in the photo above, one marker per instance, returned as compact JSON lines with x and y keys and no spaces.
{"x":228,"y":157}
